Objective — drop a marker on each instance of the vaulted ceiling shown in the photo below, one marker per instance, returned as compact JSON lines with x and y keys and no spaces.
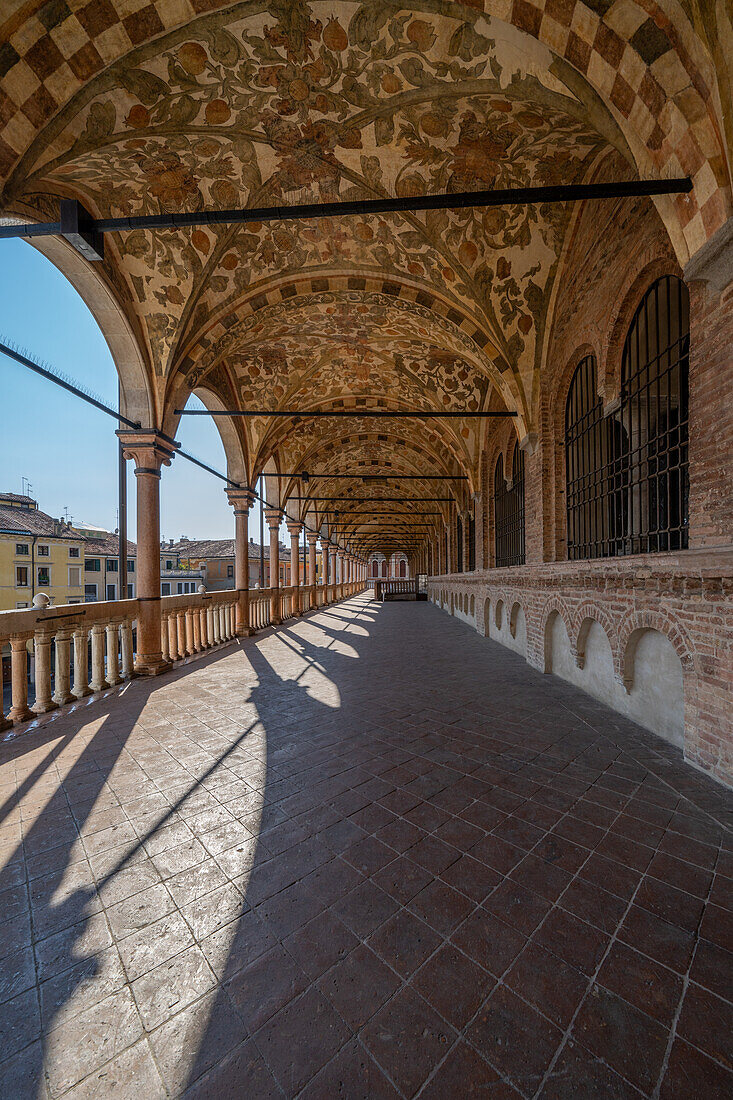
{"x":142,"y":108}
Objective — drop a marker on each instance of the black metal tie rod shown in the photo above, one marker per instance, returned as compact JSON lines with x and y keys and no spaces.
{"x":84,"y":231}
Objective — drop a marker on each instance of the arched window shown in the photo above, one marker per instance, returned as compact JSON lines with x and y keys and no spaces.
{"x":509,"y":513}
{"x":403,"y":568}
{"x":585,"y":464}
{"x":459,"y":545}
{"x":384,"y":568}
{"x":627,"y":474}
{"x":375,"y":568}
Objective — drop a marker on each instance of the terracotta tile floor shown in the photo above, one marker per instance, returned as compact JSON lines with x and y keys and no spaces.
{"x":370,"y":854}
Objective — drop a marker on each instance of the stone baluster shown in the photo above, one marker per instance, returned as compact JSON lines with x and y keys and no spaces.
{"x":165,"y":648}
{"x":42,"y":653}
{"x":4,"y":722}
{"x":98,"y":681}
{"x":19,"y":711}
{"x":81,"y":663}
{"x":62,"y":693}
{"x":113,"y":661}
{"x":190,"y":647}
{"x":128,"y":670}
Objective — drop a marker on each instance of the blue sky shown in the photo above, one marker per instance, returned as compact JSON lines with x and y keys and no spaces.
{"x":66,"y":448}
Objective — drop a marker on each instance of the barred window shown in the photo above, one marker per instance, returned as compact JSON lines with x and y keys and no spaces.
{"x":627,"y":473}
{"x":654,"y":419}
{"x":509,"y":512}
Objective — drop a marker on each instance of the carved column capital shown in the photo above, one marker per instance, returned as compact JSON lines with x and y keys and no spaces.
{"x":148,"y":449}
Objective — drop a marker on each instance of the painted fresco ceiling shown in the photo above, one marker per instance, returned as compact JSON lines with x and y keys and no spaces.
{"x":288,"y":102}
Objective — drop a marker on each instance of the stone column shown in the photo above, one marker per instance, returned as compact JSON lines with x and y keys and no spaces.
{"x":332,"y":554}
{"x":149,"y":450}
{"x":312,"y":568}
{"x":340,"y":556}
{"x":273,"y":517}
{"x":241,"y":501}
{"x":324,"y":561}
{"x":294,"y":532}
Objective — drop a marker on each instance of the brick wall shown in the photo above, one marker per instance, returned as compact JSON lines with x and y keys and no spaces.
{"x":688,"y":597}
{"x":615,"y":251}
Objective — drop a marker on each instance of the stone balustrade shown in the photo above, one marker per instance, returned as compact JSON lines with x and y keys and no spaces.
{"x":61,"y":654}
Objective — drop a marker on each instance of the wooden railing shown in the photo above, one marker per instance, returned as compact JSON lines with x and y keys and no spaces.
{"x":65,"y":653}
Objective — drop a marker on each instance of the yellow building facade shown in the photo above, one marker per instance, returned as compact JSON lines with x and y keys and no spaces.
{"x":37,"y":554}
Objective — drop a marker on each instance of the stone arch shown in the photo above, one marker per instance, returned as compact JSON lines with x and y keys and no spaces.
{"x":138,"y":399}
{"x":499,"y":614}
{"x":630,"y":632}
{"x":553,"y":609}
{"x":637,"y":285}
{"x":513,"y":616}
{"x":667,"y":132}
{"x":487,"y":617}
{"x":659,"y":691}
{"x":585,"y":615}
{"x":472,"y":607}
{"x":210,"y":345}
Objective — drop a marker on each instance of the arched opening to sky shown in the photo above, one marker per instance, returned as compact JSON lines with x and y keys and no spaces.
{"x":66,"y":449}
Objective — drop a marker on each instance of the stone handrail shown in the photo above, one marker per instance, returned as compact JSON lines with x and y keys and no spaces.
{"x":59,"y":639}
{"x":109,"y":626}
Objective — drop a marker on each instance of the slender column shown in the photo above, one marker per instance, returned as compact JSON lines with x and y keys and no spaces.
{"x":312,"y":568}
{"x":149,"y":450}
{"x":42,"y":648}
{"x":332,"y":552}
{"x":20,"y":710}
{"x":81,"y":663}
{"x":98,"y":682}
{"x":325,"y":561}
{"x":196,"y":617}
{"x":62,"y":693}
{"x":273,"y":517}
{"x":165,"y":648}
{"x":342,"y":581}
{"x":241,"y":501}
{"x":294,"y":532}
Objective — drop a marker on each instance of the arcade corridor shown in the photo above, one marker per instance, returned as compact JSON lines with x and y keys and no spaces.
{"x":365,"y":854}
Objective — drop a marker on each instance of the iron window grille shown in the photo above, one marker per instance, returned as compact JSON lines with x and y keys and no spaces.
{"x":627,"y":473}
{"x":509,"y":513}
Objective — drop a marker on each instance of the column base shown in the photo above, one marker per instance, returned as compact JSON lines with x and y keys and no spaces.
{"x":82,"y":694}
{"x":16,"y":716}
{"x":60,"y":700}
{"x":5,"y":724}
{"x":152,"y":666}
{"x":44,"y":710}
